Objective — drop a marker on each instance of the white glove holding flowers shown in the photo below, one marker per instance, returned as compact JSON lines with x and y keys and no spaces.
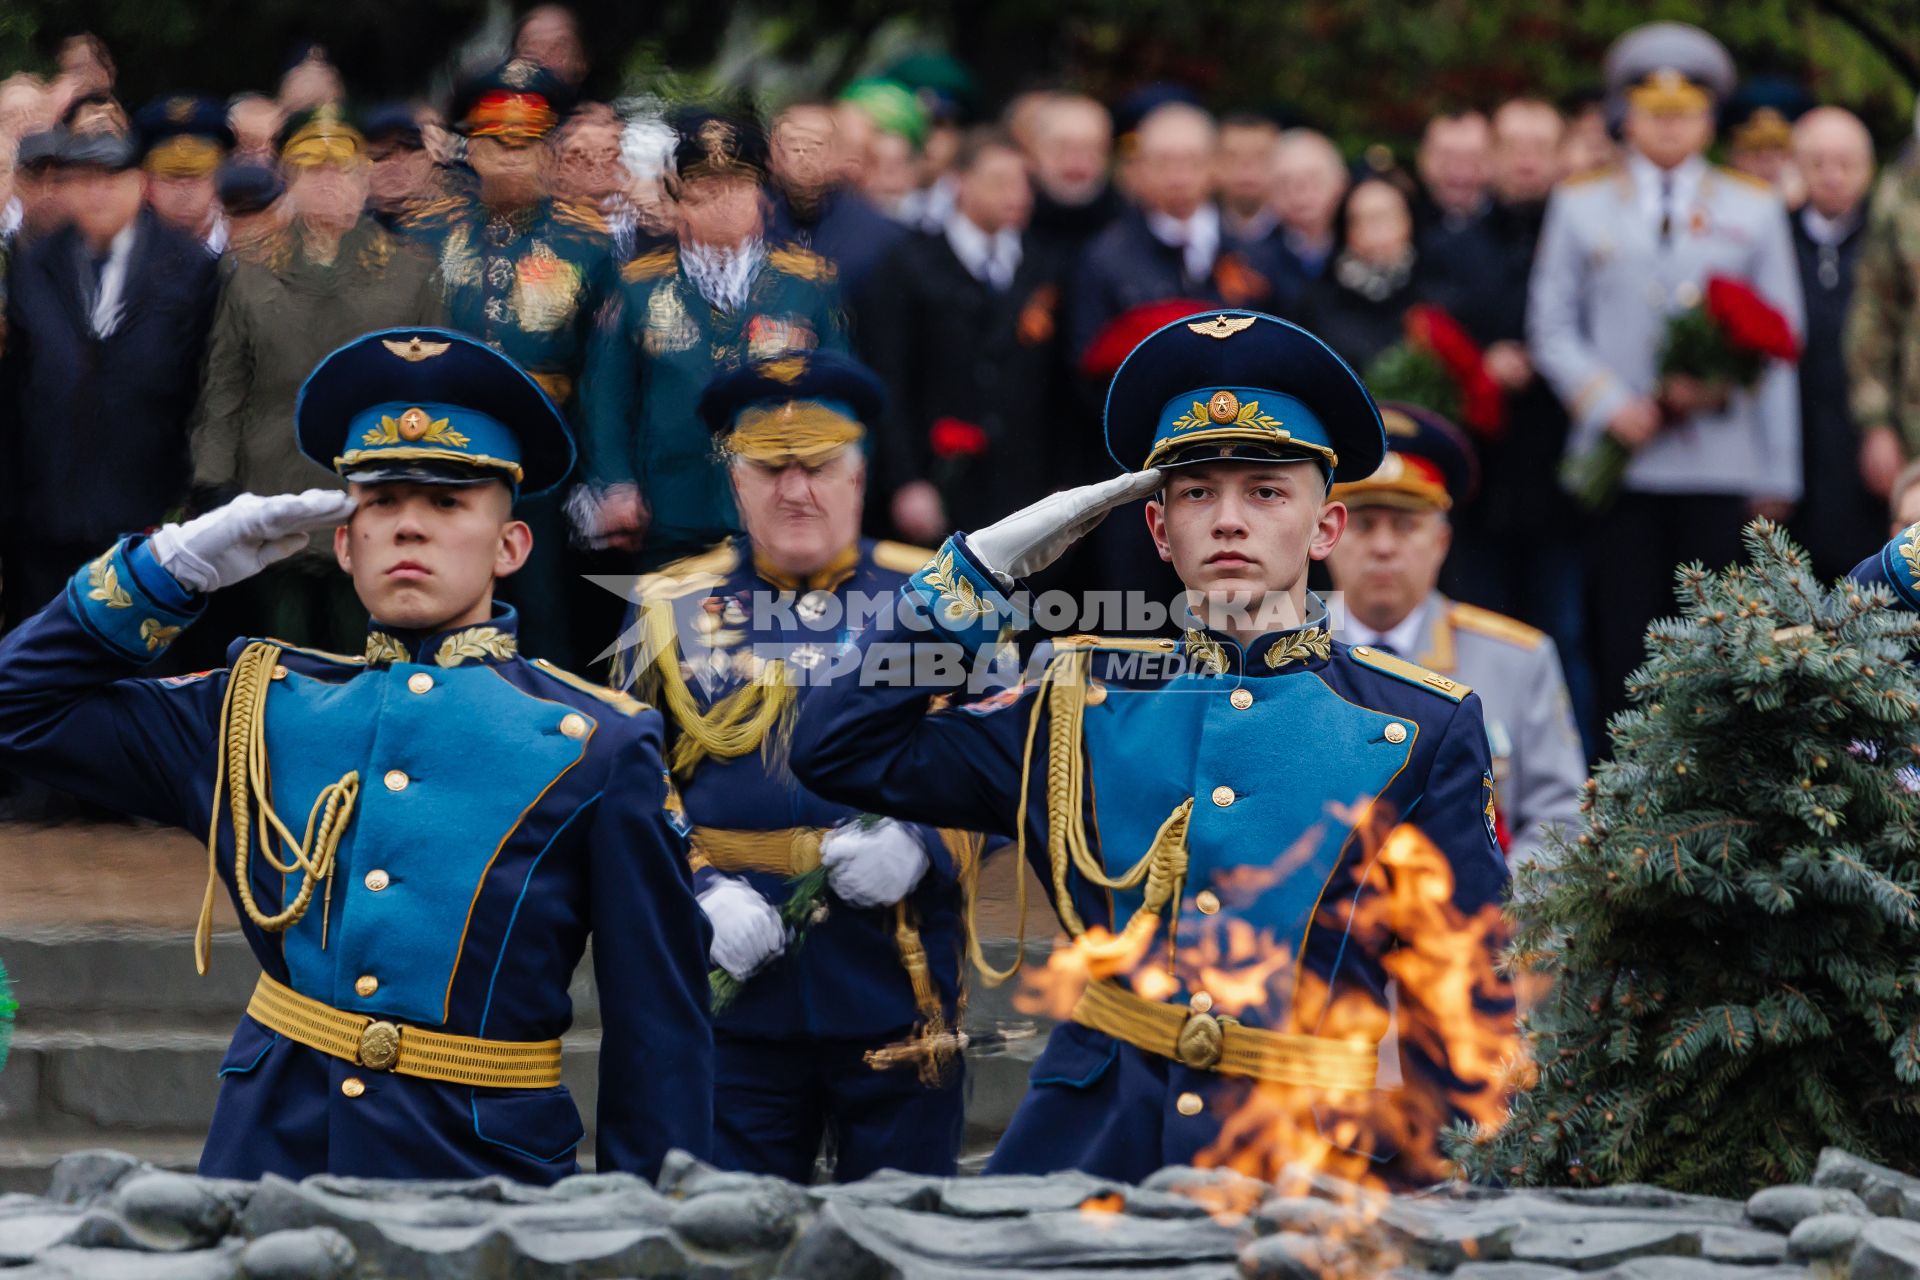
{"x":873,"y":866}
{"x":1034,"y":537}
{"x":232,"y":543}
{"x":746,"y":929}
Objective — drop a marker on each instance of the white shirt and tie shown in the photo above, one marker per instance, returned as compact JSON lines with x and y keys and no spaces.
{"x":1666,"y":196}
{"x":1401,"y":641}
{"x":107,"y":305}
{"x":991,"y":259}
{"x":1197,"y":236}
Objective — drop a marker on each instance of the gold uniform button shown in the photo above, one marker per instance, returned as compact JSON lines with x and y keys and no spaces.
{"x":279,"y":672}
{"x":1209,"y":902}
{"x":1201,"y":1002}
{"x":1361,"y":651}
{"x":573,"y":725}
{"x":352,"y":1087}
{"x":1396,"y":733}
{"x":419,"y":682}
{"x":1241,"y":699}
{"x":377,"y":880}
{"x":1189,"y":1104}
{"x":1223,"y":796}
{"x":1096,"y":695}
{"x":396,"y":780}
{"x":366,"y":984}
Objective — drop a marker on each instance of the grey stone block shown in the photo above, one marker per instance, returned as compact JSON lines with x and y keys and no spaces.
{"x":1510,"y":1271}
{"x":1295,"y":1257}
{"x":29,"y":1227}
{"x":1888,"y":1249}
{"x":1824,"y":1236}
{"x":1013,"y":1196}
{"x":164,"y":1082}
{"x":1591,"y":1246}
{"x":1739,"y":1245}
{"x":222,"y":1263}
{"x":1787,"y":1207}
{"x":85,"y":1176}
{"x":318,"y":1253}
{"x":1887,"y":1192}
{"x":758,"y":1220}
{"x":907,"y":1242}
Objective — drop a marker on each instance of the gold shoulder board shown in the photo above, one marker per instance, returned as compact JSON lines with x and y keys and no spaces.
{"x":578,"y":213}
{"x":701,"y":571}
{"x":804,"y":263}
{"x":1128,"y":644}
{"x":625,"y":703}
{"x":1411,"y":672}
{"x":651,"y":266}
{"x":901,"y":557}
{"x":341,"y":659}
{"x":1497,"y":625}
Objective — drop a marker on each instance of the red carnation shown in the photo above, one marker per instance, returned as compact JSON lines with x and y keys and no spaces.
{"x":1113,"y":344}
{"x":954,"y":438}
{"x":1483,"y":407}
{"x":1750,"y":321}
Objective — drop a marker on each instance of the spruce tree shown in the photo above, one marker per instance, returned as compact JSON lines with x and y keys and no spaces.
{"x":1733,"y":941}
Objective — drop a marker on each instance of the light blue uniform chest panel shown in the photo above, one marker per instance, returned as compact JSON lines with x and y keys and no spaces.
{"x":1301,"y":763}
{"x":476,"y":753}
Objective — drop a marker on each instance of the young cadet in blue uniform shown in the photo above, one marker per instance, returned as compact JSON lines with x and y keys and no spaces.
{"x":732,"y":637}
{"x":419,"y":839}
{"x":1271,"y":791}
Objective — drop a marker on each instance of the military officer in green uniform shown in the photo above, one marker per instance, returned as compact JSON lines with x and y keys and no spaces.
{"x":719,"y":298}
{"x":525,"y":273}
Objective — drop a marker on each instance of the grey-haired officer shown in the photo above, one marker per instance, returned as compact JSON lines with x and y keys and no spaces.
{"x":1621,"y":252}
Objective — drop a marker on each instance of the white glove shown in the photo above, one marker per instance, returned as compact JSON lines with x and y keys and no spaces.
{"x":746,"y":929}
{"x":1034,"y":537}
{"x":873,"y":866}
{"x":234,"y":542}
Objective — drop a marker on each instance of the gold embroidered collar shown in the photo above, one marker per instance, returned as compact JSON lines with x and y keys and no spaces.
{"x":450,"y":649}
{"x":1305,"y":645}
{"x":837,"y":571}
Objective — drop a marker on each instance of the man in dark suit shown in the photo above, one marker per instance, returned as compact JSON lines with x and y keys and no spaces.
{"x":106,"y":322}
{"x":814,"y":207}
{"x":963,"y":327}
{"x":1838,"y":513}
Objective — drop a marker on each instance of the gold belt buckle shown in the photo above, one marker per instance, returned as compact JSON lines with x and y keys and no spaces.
{"x":379,"y":1046}
{"x":1200,"y":1042}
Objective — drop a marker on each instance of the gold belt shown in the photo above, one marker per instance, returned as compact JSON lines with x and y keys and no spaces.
{"x":790,"y":851}
{"x":1209,"y":1043}
{"x":406,"y":1051}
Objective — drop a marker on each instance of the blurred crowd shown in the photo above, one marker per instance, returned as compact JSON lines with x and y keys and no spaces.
{"x":174,"y":268}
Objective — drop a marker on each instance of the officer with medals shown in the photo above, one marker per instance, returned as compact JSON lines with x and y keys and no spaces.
{"x":526,"y":274}
{"x":419,"y":838}
{"x":846,"y":1029}
{"x":1386,"y":567}
{"x":1248,"y":832}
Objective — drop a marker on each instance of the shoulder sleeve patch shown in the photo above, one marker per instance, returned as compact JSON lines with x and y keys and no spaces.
{"x":901,"y":557}
{"x":1497,"y":625}
{"x":1411,"y":672}
{"x":650,"y":266}
{"x":804,"y":263}
{"x":625,"y":703}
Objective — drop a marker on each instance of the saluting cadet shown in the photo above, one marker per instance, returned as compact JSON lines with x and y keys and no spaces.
{"x":1387,"y":569}
{"x":1235,"y":832}
{"x":418,"y":838}
{"x":1621,"y":251}
{"x":848,"y":1031}
{"x":721,"y":296}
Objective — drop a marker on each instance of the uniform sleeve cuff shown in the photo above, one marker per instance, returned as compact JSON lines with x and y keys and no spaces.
{"x":1900,"y":562}
{"x":128,"y":603}
{"x":963,"y":599}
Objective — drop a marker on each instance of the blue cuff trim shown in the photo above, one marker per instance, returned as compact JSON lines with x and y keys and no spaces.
{"x":117,"y":606}
{"x":162,"y":586}
{"x":963,"y":599}
{"x":1900,"y":561}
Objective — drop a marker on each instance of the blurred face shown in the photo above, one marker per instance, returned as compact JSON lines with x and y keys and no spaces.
{"x":398,"y":171}
{"x":23,"y":109}
{"x":186,"y":203}
{"x":43,"y":198}
{"x":1310,"y":181}
{"x":1245,"y":164}
{"x":853,"y":135}
{"x":1173,"y":170}
{"x":1835,"y":157}
{"x":1906,"y":509}
{"x":1454,"y":160}
{"x":1072,"y":145}
{"x":994,"y":194}
{"x":891,"y":171}
{"x":799,"y":516}
{"x":310,"y":84}
{"x":588,"y":166}
{"x":327,"y":196}
{"x":1240,"y":534}
{"x":802,"y":150}
{"x":512,"y":171}
{"x":550,"y":38}
{"x":1668,"y":138}
{"x":1388,"y":561}
{"x":83,"y":66}
{"x":720,"y":211}
{"x":425,"y":556}
{"x":102,"y":203}
{"x":1379,"y":224}
{"x":1526,"y":151}
{"x":254,"y":121}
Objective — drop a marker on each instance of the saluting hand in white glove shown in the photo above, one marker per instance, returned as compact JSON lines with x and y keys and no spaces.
{"x":1034,"y":537}
{"x":232,"y":543}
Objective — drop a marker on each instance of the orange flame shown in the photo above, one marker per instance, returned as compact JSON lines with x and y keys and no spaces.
{"x":1112,"y":1202}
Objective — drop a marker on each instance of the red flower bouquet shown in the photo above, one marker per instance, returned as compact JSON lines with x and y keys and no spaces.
{"x":954,"y":438}
{"x":1723,"y":343}
{"x":1440,"y":367}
